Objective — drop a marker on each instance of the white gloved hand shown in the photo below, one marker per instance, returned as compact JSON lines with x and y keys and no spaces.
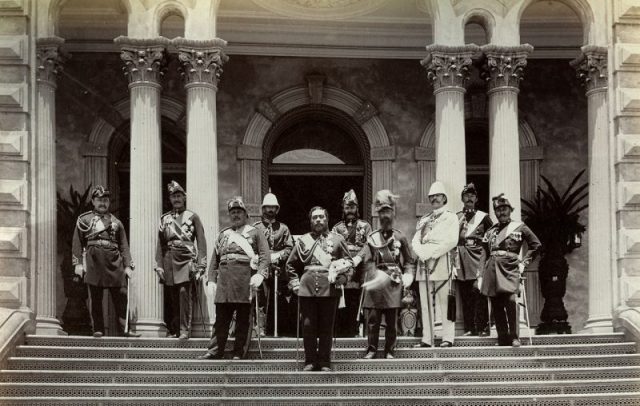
{"x":256,"y":281}
{"x":479,"y":283}
{"x":160,"y":273}
{"x":79,"y":270}
{"x":275,"y":257}
{"x":253,"y":264}
{"x":129,"y":272}
{"x":356,"y":261}
{"x":333,"y":274}
{"x":407,"y":280}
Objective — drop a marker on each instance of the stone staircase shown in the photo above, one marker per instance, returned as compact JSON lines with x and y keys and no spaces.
{"x":576,"y":370}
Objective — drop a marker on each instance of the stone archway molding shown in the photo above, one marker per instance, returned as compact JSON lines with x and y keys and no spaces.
{"x":316,"y":92}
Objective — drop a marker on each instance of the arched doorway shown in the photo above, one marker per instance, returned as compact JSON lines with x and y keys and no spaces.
{"x":313,"y":155}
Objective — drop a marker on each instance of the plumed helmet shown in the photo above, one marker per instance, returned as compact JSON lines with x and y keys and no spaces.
{"x":174,"y":187}
{"x":501,"y":200}
{"x":350,"y":198}
{"x":236,"y":202}
{"x":437,"y":188}
{"x":470,"y":188}
{"x":385,"y":199}
{"x":100,"y":191}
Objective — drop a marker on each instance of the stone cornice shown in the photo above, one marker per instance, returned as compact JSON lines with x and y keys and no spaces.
{"x":199,"y":44}
{"x":144,"y":59}
{"x":448,"y":66}
{"x":50,"y":58}
{"x":504,"y":68}
{"x":591,"y":67}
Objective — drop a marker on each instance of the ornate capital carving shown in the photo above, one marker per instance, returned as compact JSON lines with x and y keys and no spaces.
{"x":447,"y":66}
{"x":144,"y":59}
{"x":591,"y":67}
{"x":50,"y":58}
{"x":504,"y":67}
{"x":201,"y":61}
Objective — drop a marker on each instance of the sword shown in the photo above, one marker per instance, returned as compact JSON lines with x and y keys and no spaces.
{"x":126,"y":318}
{"x":526,"y":310}
{"x":429,"y":305}
{"x":199,"y":303}
{"x":257,"y":328}
{"x":275,"y":303}
{"x":298,"y":334}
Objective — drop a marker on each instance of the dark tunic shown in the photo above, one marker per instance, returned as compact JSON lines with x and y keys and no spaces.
{"x":230,"y":266}
{"x":280,"y":242}
{"x":355,"y":235}
{"x":182,"y":247}
{"x":471,"y":253}
{"x":305,"y":269}
{"x":104,"y":242}
{"x":389,"y":253}
{"x":503,"y":243}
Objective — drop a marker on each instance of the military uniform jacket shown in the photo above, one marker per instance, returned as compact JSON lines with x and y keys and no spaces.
{"x":182,"y":246}
{"x":231,"y":266}
{"x":104,"y":242}
{"x":305,"y":268}
{"x":503,"y":244}
{"x":392,"y":256}
{"x":436,"y":235}
{"x":471,"y":253}
{"x":279,"y":239}
{"x":355,"y":235}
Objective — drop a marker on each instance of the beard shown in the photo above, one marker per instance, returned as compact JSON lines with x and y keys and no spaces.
{"x":319,"y":227}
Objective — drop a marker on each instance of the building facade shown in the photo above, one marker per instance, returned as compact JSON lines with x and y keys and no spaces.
{"x":310,"y":99}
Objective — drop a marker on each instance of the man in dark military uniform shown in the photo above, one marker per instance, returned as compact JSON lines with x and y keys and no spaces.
{"x":470,"y":264}
{"x":318,"y":265}
{"x":355,"y":232}
{"x":277,"y":293}
{"x":504,"y":267}
{"x":239,"y":265}
{"x":389,"y":267}
{"x":100,"y":253}
{"x":181,"y":258}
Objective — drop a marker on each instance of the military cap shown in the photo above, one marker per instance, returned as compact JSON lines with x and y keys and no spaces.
{"x":174,"y":187}
{"x":470,"y":188}
{"x":350,"y":198}
{"x":501,"y":200}
{"x":385,"y":199}
{"x":100,"y":191}
{"x":236,"y":202}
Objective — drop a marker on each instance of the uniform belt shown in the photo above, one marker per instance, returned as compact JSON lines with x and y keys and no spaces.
{"x":503,"y":253}
{"x":234,"y":257}
{"x":315,"y":268}
{"x":178,"y":243}
{"x":102,"y":243}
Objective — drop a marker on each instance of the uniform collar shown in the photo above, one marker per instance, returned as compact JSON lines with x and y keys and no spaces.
{"x":266,"y":221}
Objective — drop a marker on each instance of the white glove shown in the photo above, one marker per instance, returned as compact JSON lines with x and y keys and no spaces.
{"x":356,"y":261}
{"x":129,"y":272}
{"x":333,"y":274}
{"x":454,"y":272}
{"x":160,"y":273}
{"x":275,"y":257}
{"x":79,"y":270}
{"x":407,"y":280}
{"x":479,"y":283}
{"x":256,"y":281}
{"x":253,"y":264}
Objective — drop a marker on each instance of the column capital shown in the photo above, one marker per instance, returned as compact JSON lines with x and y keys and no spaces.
{"x":448,"y":66}
{"x":144,"y":59}
{"x":50,"y":58}
{"x":591,"y":67}
{"x":504,"y":67}
{"x":201,"y":61}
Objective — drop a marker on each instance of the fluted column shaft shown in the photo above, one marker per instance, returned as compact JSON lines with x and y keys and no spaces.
{"x":49,"y":59}
{"x":143,"y":59}
{"x":592,"y":70}
{"x":202,"y":62}
{"x":504,"y":72}
{"x":448,"y":70}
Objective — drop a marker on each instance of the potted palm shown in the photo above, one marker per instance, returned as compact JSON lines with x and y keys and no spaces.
{"x":555,"y":219}
{"x":75,"y":318}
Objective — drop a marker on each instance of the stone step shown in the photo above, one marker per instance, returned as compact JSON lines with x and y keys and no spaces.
{"x":387,"y":390}
{"x":339,"y":353}
{"x":598,"y":399}
{"x":290,"y":342}
{"x":405,"y":364}
{"x":303,"y":378}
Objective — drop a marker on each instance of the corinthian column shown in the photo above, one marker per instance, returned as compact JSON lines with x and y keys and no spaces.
{"x":448,"y":70}
{"x":201,"y":69}
{"x":48,"y":57}
{"x":504,"y":72}
{"x":592,"y":70}
{"x":143,"y":60}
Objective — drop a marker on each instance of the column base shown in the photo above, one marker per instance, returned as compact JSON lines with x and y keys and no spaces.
{"x":49,"y":326}
{"x":150,"y":328}
{"x":598,"y":325}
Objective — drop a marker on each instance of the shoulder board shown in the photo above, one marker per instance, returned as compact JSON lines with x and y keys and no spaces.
{"x":248,"y":228}
{"x":335,"y":234}
{"x":189,"y":213}
{"x":225,"y":230}
{"x":362,"y":222}
{"x":395,"y":230}
{"x":86,"y":213}
{"x":257,"y":223}
{"x":338,"y":224}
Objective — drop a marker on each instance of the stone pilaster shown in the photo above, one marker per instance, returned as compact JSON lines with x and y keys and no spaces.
{"x":591,"y":68}
{"x":448,"y":70}
{"x":202,"y":62}
{"x":503,"y":73}
{"x":143,"y":63}
{"x":49,"y":65}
